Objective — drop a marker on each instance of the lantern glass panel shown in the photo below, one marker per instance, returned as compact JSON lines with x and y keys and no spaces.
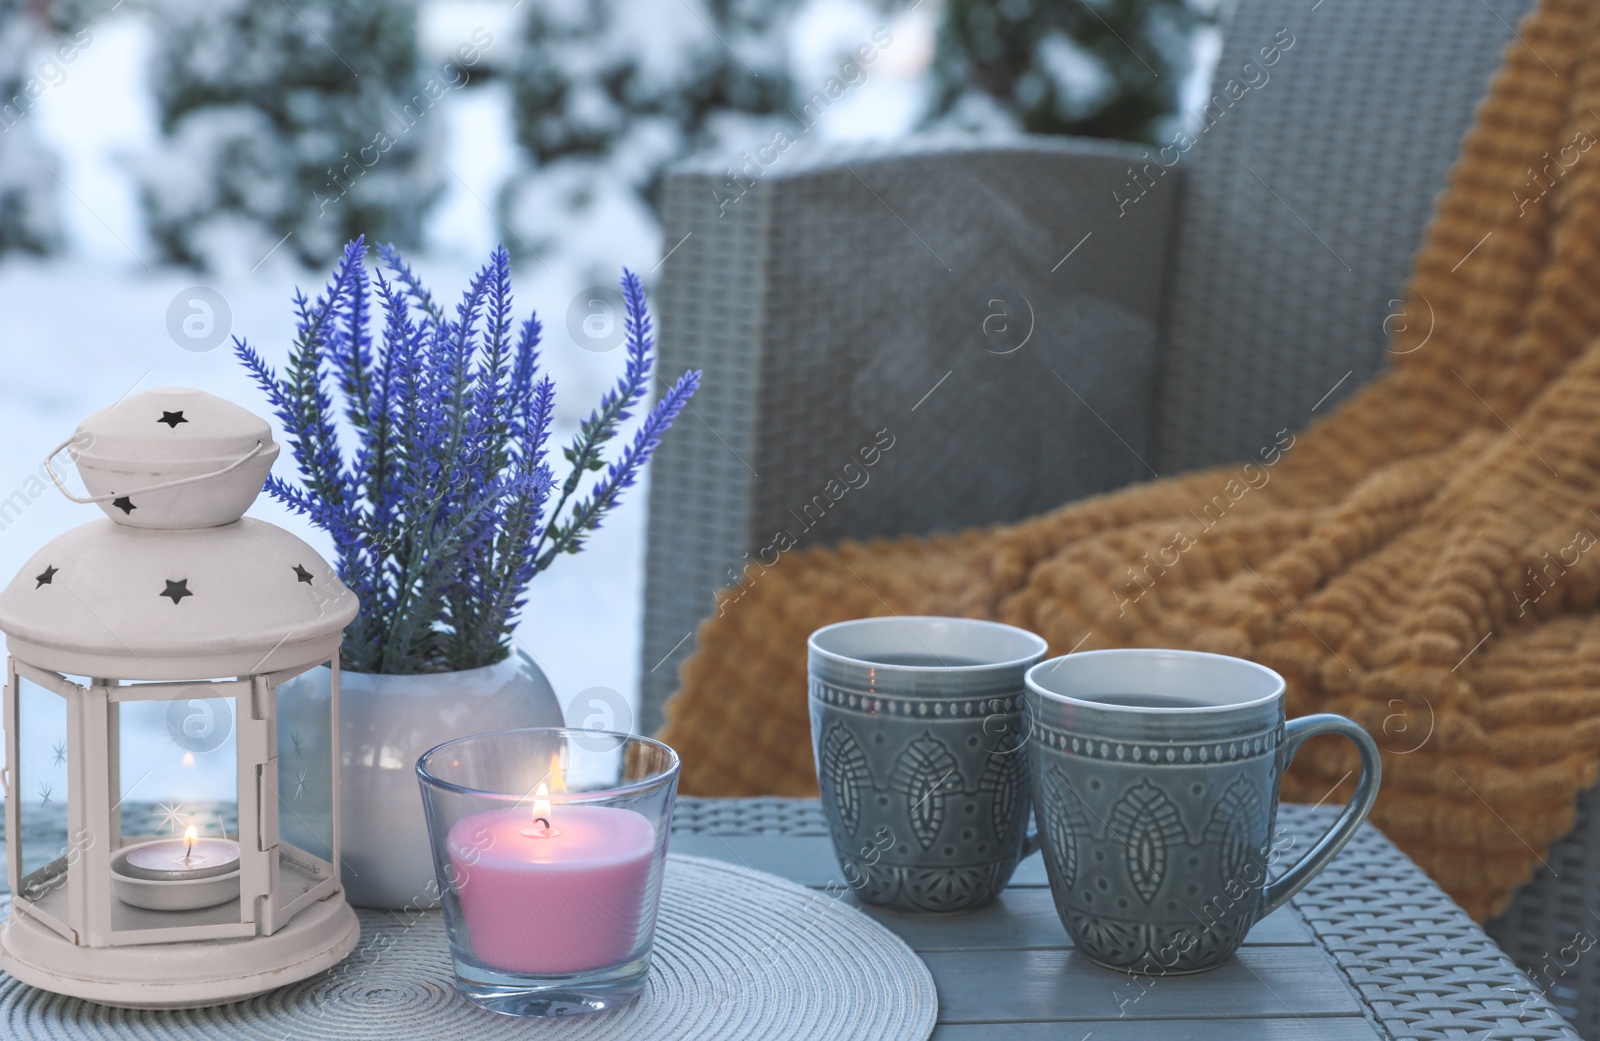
{"x":40,"y":779}
{"x":177,"y":762}
{"x":174,"y":766}
{"x":305,"y":763}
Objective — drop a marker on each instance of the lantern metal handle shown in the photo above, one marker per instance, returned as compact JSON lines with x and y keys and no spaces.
{"x":176,"y":482}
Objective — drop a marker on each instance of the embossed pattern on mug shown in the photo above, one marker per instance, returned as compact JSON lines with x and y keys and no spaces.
{"x":940,"y":829}
{"x":1188,"y":863}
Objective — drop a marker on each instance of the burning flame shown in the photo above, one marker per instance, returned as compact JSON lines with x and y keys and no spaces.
{"x":543,"y":825}
{"x":541,"y":803}
{"x":188,"y":759}
{"x":189,"y":835}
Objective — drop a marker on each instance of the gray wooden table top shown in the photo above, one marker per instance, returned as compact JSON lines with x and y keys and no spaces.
{"x":1371,"y":949}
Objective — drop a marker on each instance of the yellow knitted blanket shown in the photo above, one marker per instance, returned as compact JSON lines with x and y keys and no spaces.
{"x":1422,"y":561}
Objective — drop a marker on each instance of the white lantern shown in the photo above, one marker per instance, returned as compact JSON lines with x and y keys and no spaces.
{"x":153,"y":781}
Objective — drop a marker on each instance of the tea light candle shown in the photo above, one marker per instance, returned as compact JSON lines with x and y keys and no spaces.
{"x":188,"y":857}
{"x":177,"y":874}
{"x":550,"y":893}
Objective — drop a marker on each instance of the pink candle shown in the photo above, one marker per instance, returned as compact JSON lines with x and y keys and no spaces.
{"x":546,"y":901}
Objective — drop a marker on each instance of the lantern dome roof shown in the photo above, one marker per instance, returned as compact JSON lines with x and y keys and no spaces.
{"x":109,"y":600}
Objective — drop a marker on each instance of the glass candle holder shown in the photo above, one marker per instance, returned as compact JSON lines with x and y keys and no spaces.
{"x":548,"y":848}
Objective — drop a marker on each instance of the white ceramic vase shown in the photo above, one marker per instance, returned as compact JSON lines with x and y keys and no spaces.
{"x":385,"y":723}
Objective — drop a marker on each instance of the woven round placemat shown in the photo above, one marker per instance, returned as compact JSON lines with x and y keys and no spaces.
{"x":739,"y":955}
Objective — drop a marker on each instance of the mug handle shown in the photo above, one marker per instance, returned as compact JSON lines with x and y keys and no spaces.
{"x":1296,"y":731}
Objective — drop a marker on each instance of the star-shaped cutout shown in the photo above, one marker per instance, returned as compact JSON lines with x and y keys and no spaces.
{"x":300,"y":785}
{"x":47,"y":577}
{"x":302,"y":574}
{"x":177,"y":590}
{"x":294,"y":740}
{"x":172,"y":419}
{"x":58,"y":754}
{"x":124,"y":504}
{"x":172,"y":816}
{"x":44,"y":795}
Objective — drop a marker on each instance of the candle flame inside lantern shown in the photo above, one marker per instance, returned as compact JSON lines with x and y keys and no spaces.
{"x":190,"y":834}
{"x":188,"y":759}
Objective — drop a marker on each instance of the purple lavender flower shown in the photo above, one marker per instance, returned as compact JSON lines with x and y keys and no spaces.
{"x":441,"y":515}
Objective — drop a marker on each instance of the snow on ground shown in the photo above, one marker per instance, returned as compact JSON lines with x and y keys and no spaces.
{"x":77,"y":335}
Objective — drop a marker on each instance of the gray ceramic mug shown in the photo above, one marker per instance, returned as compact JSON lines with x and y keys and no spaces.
{"x":916,"y":724}
{"x":1155,"y":778}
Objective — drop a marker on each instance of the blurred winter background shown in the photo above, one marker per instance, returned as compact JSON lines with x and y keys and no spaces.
{"x":171,"y":169}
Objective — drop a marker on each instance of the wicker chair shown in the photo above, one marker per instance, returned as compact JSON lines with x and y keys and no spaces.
{"x":1198,"y":300}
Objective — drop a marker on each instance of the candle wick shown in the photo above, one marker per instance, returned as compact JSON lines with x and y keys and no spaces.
{"x":540,"y":828}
